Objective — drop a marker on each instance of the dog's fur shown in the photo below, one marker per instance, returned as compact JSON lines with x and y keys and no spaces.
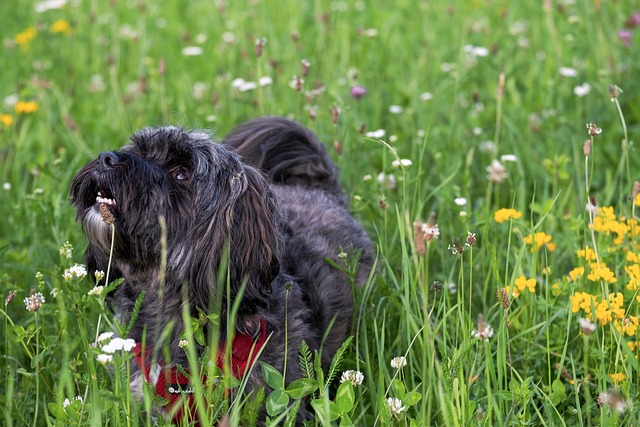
{"x":268,"y":197}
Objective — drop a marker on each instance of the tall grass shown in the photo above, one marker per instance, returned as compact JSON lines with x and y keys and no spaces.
{"x":469,"y":82}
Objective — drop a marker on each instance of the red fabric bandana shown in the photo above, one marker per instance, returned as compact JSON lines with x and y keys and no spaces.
{"x":172,"y":383}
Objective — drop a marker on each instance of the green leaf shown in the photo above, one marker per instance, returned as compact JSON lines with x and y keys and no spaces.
{"x":277,"y":402}
{"x":345,"y":421}
{"x":558,"y":393}
{"x":301,"y":387}
{"x":398,"y":389}
{"x":320,"y":409}
{"x":57,"y":411}
{"x":345,"y":397}
{"x":272,"y":377}
{"x":412,"y":398}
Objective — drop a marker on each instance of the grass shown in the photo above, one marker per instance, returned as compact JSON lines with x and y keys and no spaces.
{"x":475,"y":80}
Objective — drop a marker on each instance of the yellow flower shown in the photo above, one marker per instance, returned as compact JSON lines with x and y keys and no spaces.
{"x":515,"y":291}
{"x":523,"y":283}
{"x":556,"y":289}
{"x":61,"y":27}
{"x":538,"y":240}
{"x":576,"y":273}
{"x":634,"y":276}
{"x":6,"y":119}
{"x":632,"y":257}
{"x":504,"y":214}
{"x":627,"y":326}
{"x":587,"y":253}
{"x":601,"y":272}
{"x":618,"y":377}
{"x":23,"y":38}
{"x":636,"y":201}
{"x":26,"y":107}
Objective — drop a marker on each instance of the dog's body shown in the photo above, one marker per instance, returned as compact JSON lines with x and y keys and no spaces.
{"x":270,"y":234}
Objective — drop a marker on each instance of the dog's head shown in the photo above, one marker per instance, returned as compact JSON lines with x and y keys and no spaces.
{"x":211,"y":204}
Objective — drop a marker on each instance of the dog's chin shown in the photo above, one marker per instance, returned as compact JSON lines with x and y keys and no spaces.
{"x":96,"y":229}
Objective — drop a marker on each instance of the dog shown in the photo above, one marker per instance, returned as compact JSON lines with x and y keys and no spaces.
{"x":252,"y":222}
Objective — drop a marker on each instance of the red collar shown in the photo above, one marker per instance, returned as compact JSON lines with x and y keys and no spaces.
{"x":171,"y":383}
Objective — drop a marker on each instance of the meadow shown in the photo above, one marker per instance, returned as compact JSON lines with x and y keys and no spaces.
{"x":486,"y":145}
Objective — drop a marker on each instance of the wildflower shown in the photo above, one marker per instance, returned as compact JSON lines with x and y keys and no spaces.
{"x":505,"y":214}
{"x":260,"y":44}
{"x":355,"y":377}
{"x":509,"y":158}
{"x":105,"y":336}
{"x":395,"y":406}
{"x":388,"y":181}
{"x":582,"y":90}
{"x":435,"y":286}
{"x":104,"y":358}
{"x":593,"y":129}
{"x":538,"y":240}
{"x":399,"y":362}
{"x":396,"y":109}
{"x":426,"y":96}
{"x":576,"y":273}
{"x":183,"y":343}
{"x":625,"y":37}
{"x":99,"y":275}
{"x":296,"y":83}
{"x":456,"y":247}
{"x":66,"y":250}
{"x":496,"y":172}
{"x":484,"y":331}
{"x":6,"y":120}
{"x":106,"y":214}
{"x":627,"y":326}
{"x":119,"y":344}
{"x":460,"y":201}
{"x":568,"y":72}
{"x":46,"y":5}
{"x":96,"y":290}
{"x":34,"y":302}
{"x":509,"y":291}
{"x":402,"y":162}
{"x":377,"y":134}
{"x":357,"y":92}
{"x":192,"y":51}
{"x":587,"y":253}
{"x":61,"y":26}
{"x":586,"y":148}
{"x":23,"y":38}
{"x":452,"y":288}
{"x":26,"y":107}
{"x":10,"y":296}
{"x":503,"y":297}
{"x":523,"y":283}
{"x":430,"y":230}
{"x":587,"y":327}
{"x":265,"y":81}
{"x":601,"y":272}
{"x":78,"y":271}
{"x":614,"y":92}
{"x":613,"y":400}
{"x":67,"y":402}
{"x":618,"y":377}
{"x":471,"y":239}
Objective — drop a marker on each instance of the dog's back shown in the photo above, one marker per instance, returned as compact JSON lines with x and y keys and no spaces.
{"x":316,"y":222}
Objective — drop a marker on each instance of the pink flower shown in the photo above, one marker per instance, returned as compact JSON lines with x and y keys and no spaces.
{"x":625,"y":37}
{"x":357,"y":92}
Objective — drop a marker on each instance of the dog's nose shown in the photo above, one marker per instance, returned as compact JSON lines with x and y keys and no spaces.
{"x":108,"y":160}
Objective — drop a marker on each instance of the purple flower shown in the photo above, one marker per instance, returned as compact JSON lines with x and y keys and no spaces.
{"x":358,"y":92}
{"x":633,"y":21}
{"x":625,"y":37}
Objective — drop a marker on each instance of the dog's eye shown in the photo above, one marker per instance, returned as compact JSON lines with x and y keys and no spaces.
{"x":180,"y":174}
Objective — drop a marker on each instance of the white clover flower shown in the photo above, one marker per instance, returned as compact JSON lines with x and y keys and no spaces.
{"x":460,"y":201}
{"x":6,"y":186}
{"x":496,"y":172}
{"x":265,"y":81}
{"x":426,"y":96}
{"x":68,"y":402}
{"x":192,"y":51}
{"x":509,"y":158}
{"x":396,"y":109}
{"x":34,"y":302}
{"x":46,"y":5}
{"x":378,"y":134}
{"x":96,"y":290}
{"x":399,"y":362}
{"x":395,"y":406}
{"x":582,"y":90}
{"x":402,"y":162}
{"x":104,"y":358}
{"x":117,"y":344}
{"x":587,"y":326}
{"x":388,"y":181}
{"x":568,"y":72}
{"x":247,"y":86}
{"x":355,"y":377}
{"x":183,"y":343}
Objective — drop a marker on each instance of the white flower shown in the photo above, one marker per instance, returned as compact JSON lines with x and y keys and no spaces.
{"x":6,"y":186}
{"x":395,"y":406}
{"x":426,"y":96}
{"x":496,"y":172}
{"x":476,"y":51}
{"x":96,"y":290}
{"x":265,"y":81}
{"x":104,"y":358}
{"x":370,"y":32}
{"x":183,"y":343}
{"x":119,"y":344}
{"x":97,"y":83}
{"x":378,"y":134}
{"x":66,"y":250}
{"x":484,"y":333}
{"x":99,"y":275}
{"x":402,"y":162}
{"x":396,"y":109}
{"x":46,"y":5}
{"x":104,"y":336}
{"x":201,"y":38}
{"x":591,"y":208}
{"x":460,"y":201}
{"x":356,"y":377}
{"x":192,"y":51}
{"x":67,"y":402}
{"x":228,"y":37}
{"x":430,"y":232}
{"x":34,"y":302}
{"x":568,"y":72}
{"x":10,"y":101}
{"x":586,"y":326}
{"x":247,"y":86}
{"x":78,"y":271}
{"x":199,"y":90}
{"x":509,"y":158}
{"x":399,"y":362}
{"x":582,"y":89}
{"x":388,"y":181}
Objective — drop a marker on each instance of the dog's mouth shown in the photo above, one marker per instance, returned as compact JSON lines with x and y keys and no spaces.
{"x":106,"y":205}
{"x":103,"y":197}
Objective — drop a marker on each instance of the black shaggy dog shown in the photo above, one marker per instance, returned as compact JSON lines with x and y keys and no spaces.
{"x":266,"y":206}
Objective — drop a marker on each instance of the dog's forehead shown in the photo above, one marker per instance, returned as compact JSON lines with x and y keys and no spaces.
{"x":166,"y":141}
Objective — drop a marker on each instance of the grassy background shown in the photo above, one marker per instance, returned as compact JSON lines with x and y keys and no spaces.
{"x":120,"y":66}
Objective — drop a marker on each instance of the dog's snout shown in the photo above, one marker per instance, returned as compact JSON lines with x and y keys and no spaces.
{"x":108,"y":160}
